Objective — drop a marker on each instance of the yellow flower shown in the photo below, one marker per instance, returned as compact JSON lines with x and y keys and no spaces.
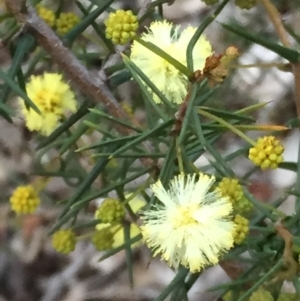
{"x":242,"y":229}
{"x":64,"y":241}
{"x":267,"y":153}
{"x":192,"y":226}
{"x":53,"y":97}
{"x":110,"y":211}
{"x":24,"y":200}
{"x":233,"y":190}
{"x":46,"y":14}
{"x":118,"y":230}
{"x":66,"y":22}
{"x":121,"y":26}
{"x":169,"y":80}
{"x":103,"y":239}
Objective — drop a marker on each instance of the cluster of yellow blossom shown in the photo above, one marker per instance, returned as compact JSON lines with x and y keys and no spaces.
{"x":233,"y":190}
{"x":103,"y":239}
{"x":24,"y":200}
{"x":121,"y":26}
{"x":242,"y":229}
{"x":46,"y":14}
{"x":64,"y":23}
{"x":64,"y":241}
{"x":110,"y":211}
{"x":112,"y":224}
{"x":267,"y":153}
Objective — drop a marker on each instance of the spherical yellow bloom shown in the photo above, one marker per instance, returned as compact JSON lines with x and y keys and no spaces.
{"x":46,"y":14}
{"x":267,"y":153}
{"x":53,"y":97}
{"x":261,"y":295}
{"x":245,"y":4}
{"x":118,"y":230}
{"x":121,"y":26}
{"x":233,"y":190}
{"x":110,"y":211}
{"x":192,"y":226}
{"x":169,"y":80}
{"x":103,"y":239}
{"x":242,"y":229}
{"x":24,"y":200}
{"x":64,"y":241}
{"x":66,"y":22}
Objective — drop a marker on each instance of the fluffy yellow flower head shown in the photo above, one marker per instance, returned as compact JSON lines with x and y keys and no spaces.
{"x":192,"y":226}
{"x":53,"y":97}
{"x":169,"y":80}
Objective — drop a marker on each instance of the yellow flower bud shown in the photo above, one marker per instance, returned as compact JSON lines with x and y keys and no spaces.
{"x":241,"y":230}
{"x":66,"y":22}
{"x":121,"y":26}
{"x":233,"y":190}
{"x":110,"y":211}
{"x":46,"y":14}
{"x":24,"y":200}
{"x":267,"y":153}
{"x":103,"y":239}
{"x":64,"y":241}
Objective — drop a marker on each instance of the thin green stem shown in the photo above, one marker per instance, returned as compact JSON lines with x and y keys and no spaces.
{"x":228,"y":125}
{"x":198,"y":33}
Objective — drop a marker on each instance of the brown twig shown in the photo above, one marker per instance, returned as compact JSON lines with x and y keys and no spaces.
{"x":296,"y":72}
{"x":88,"y":84}
{"x":290,"y":264}
{"x":179,"y":116}
{"x":275,"y":18}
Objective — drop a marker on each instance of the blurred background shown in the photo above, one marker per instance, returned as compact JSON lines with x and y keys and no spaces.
{"x":30,"y":270}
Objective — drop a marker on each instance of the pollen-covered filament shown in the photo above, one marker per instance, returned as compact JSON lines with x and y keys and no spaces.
{"x":184,"y":216}
{"x":47,"y":104}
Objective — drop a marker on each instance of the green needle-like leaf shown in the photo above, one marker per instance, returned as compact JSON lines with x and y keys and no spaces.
{"x":287,"y":53}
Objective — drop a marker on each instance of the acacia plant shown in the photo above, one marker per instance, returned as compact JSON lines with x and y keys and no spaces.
{"x":154,"y":193}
